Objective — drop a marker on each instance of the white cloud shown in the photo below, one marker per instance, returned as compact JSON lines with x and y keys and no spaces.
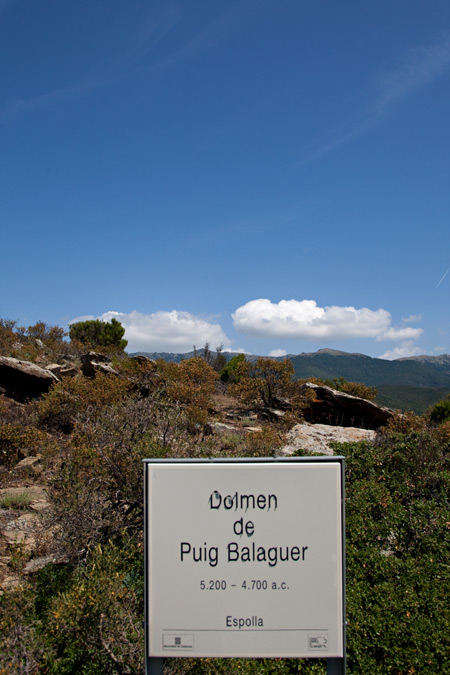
{"x":406,"y":348}
{"x":83,"y":317}
{"x":278,"y":352}
{"x":413,"y":318}
{"x":166,"y":331}
{"x":305,"y":320}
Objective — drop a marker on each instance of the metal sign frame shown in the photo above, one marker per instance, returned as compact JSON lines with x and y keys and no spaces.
{"x":154,"y":664}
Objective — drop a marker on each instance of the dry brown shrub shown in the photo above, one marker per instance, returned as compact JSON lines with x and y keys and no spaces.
{"x":404,"y":423}
{"x":58,"y":409}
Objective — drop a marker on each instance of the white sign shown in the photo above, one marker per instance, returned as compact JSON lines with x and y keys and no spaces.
{"x":245,"y":559}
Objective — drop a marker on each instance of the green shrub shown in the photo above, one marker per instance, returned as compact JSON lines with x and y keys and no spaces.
{"x":398,"y":547}
{"x":95,"y":333}
{"x":441,"y":412}
{"x":93,"y":625}
{"x":229,"y":371}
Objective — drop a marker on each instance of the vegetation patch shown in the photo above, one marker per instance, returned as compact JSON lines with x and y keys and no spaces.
{"x":21,"y":500}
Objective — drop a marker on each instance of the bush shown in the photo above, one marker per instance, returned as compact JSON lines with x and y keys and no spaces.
{"x":96,"y":333}
{"x":17,"y":442}
{"x":189,"y":383}
{"x":229,"y":371}
{"x":441,"y":412}
{"x":264,"y":382}
{"x":404,"y":423}
{"x":58,"y":408}
{"x":398,"y":546}
{"x":33,"y":342}
{"x":93,"y":623}
{"x":352,"y":388}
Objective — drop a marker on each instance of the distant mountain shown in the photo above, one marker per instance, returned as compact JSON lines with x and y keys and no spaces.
{"x":443,"y":360}
{"x":421,"y":371}
{"x":167,"y":356}
{"x":411,"y":383}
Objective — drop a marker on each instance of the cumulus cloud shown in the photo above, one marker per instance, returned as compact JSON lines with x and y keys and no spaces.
{"x":166,"y":331}
{"x":407,"y":348}
{"x":305,"y":320}
{"x":278,"y":352}
{"x":414,"y":318}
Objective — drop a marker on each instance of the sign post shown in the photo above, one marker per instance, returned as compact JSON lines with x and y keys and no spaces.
{"x":245,"y":558}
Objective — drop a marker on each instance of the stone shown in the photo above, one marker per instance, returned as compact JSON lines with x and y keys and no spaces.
{"x":93,"y":362}
{"x":330,"y":406}
{"x":62,"y":371}
{"x":21,"y":530}
{"x":32,"y":463}
{"x":37,"y":564}
{"x":317,"y":437}
{"x":220,"y":429}
{"x":143,"y":360}
{"x":23,"y":380}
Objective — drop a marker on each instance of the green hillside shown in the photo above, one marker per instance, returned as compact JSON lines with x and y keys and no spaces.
{"x":328,"y":364}
{"x":418,"y":399}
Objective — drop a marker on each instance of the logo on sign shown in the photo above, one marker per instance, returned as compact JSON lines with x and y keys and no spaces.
{"x":318,"y":642}
{"x":174,"y":641}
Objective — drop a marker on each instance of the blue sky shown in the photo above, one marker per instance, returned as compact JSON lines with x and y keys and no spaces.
{"x":273,"y":176}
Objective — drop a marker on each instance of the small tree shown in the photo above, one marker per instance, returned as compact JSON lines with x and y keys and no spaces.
{"x":265,"y":381}
{"x":229,"y":371}
{"x":441,"y":411}
{"x":95,"y":333}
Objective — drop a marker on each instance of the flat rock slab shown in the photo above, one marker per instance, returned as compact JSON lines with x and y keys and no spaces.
{"x":333,"y":407}
{"x":23,"y":380}
{"x":37,"y":495}
{"x":37,"y":564}
{"x":32,"y":463}
{"x":22,"y":530}
{"x":317,"y":437}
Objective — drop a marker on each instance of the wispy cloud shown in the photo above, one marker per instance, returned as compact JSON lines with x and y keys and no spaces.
{"x":442,"y":278}
{"x":414,"y":70}
{"x":101,"y":76}
{"x":141,"y":59}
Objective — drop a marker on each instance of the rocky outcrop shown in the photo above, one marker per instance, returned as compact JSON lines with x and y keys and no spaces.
{"x":23,"y":380}
{"x":62,"y":370}
{"x":329,"y":406}
{"x":144,"y":361}
{"x":92,"y":363}
{"x":317,"y":438}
